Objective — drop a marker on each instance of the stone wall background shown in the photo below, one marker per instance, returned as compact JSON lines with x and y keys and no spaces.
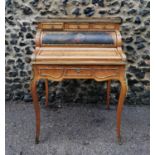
{"x":20,"y":33}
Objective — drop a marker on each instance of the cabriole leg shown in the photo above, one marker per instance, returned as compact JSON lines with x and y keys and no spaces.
{"x":122,"y":96}
{"x":36,"y":108}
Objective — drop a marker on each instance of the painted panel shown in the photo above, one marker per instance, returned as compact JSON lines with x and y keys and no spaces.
{"x":77,"y":38}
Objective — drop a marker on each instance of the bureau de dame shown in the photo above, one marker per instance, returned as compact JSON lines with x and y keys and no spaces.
{"x":79,"y":49}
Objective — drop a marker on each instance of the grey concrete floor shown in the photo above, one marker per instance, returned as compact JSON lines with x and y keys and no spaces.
{"x":77,"y":130}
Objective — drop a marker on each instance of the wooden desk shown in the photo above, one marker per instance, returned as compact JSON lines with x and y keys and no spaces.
{"x":79,"y":49}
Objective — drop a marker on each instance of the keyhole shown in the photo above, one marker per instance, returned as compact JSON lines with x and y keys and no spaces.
{"x":78,"y":70}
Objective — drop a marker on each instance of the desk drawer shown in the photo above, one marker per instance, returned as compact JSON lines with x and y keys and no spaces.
{"x":53,"y":72}
{"x":57,"y":26}
{"x":77,"y":26}
{"x":78,"y":71}
{"x":98,"y":26}
{"x":106,"y":72}
{"x":103,"y":26}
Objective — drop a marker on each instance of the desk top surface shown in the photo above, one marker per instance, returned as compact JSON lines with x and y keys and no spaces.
{"x":76,"y":55}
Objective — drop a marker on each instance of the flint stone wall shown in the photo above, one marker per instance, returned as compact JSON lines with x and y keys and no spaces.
{"x":20,"y":33}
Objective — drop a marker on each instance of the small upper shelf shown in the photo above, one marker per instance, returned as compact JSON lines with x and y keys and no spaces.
{"x":116,"y":20}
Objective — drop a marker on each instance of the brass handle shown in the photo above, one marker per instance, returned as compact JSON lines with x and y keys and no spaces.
{"x":77,"y":70}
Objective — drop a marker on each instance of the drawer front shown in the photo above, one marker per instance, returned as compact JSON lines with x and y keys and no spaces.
{"x":77,"y":26}
{"x":103,"y":26}
{"x":51,"y":72}
{"x":106,"y":72}
{"x":76,"y":72}
{"x":84,"y":26}
{"x":52,"y":26}
{"x":110,"y":27}
{"x":79,"y":72}
{"x":98,"y":26}
{"x":72,"y":26}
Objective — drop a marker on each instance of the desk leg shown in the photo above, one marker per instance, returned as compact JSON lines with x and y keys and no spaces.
{"x":120,"y":107}
{"x":36,"y":108}
{"x":108,"y":95}
{"x":46,"y":92}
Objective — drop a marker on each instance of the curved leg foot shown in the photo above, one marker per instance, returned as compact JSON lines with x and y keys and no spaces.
{"x":37,"y":140}
{"x":108,"y":95}
{"x":120,"y":106}
{"x":120,"y":142}
{"x":36,"y":108}
{"x":46,"y":92}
